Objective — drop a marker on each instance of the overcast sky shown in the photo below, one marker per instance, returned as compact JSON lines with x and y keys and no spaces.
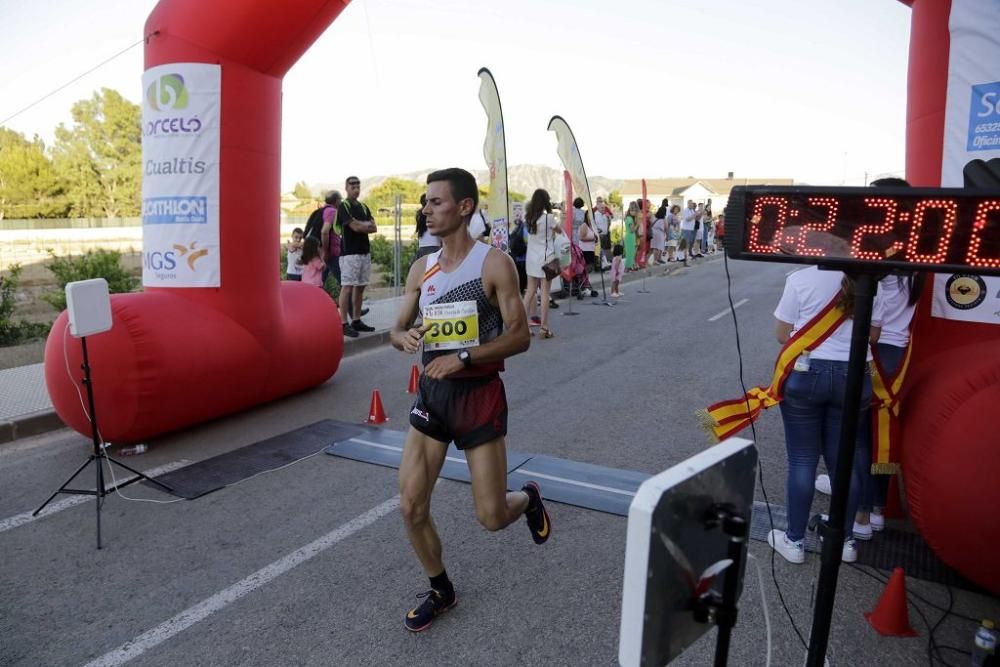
{"x":809,"y":89}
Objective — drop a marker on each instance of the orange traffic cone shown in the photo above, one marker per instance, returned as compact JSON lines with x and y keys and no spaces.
{"x":891,"y":618}
{"x":893,"y":509}
{"x":376,"y":413}
{"x":414,"y":380}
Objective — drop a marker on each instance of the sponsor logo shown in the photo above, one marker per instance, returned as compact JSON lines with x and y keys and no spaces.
{"x":175,"y":210}
{"x":984,"y":118}
{"x":964,"y":291}
{"x":163,"y":263}
{"x":177,"y":165}
{"x":431,"y":290}
{"x":172,"y":125}
{"x":420,"y":413}
{"x":167,"y":92}
{"x":193,"y":254}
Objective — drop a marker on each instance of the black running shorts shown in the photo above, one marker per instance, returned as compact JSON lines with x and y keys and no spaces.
{"x":468,"y":411}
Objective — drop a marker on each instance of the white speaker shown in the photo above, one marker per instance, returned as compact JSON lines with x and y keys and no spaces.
{"x":88,"y":304}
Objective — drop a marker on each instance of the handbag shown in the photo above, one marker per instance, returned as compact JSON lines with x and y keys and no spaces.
{"x":551,"y":267}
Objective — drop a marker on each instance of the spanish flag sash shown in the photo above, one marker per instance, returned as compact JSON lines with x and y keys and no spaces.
{"x":885,"y":415}
{"x":730,"y":417}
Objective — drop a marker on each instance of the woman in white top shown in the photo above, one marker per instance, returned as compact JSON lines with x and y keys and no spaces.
{"x":426,"y":242}
{"x":659,"y":234}
{"x":542,"y":228}
{"x":812,"y":401}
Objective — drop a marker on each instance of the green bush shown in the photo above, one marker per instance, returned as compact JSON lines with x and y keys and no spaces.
{"x":381,"y":249}
{"x":11,"y":332}
{"x":93,"y":264}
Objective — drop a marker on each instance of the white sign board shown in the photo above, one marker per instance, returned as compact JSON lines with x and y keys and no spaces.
{"x":181,"y":115}
{"x":971,"y":132}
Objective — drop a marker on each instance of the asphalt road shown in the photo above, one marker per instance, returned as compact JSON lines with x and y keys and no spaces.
{"x":309,"y":565}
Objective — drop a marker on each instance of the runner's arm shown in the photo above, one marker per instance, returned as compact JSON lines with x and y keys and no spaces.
{"x":404,"y":335}
{"x":500,"y":273}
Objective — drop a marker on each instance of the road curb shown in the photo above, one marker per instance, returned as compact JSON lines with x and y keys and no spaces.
{"x":29,"y":425}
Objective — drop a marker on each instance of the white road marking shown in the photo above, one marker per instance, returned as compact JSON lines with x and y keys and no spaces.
{"x":199,"y":612}
{"x":73,"y":501}
{"x":393,"y":448}
{"x":597,"y":487}
{"x":727,"y":310}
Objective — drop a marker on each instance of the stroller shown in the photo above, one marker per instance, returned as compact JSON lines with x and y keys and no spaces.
{"x":575,"y":273}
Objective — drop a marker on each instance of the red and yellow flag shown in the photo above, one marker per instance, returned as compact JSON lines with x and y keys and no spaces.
{"x":730,"y":417}
{"x":885,"y":415}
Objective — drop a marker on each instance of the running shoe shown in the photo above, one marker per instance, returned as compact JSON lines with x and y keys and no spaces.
{"x":361,"y":326}
{"x":349,"y":331}
{"x":537,"y":517}
{"x":435,"y":603}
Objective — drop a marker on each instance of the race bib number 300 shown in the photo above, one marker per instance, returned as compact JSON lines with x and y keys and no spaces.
{"x":452,"y":326}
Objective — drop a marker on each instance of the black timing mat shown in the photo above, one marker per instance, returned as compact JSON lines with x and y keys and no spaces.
{"x":212,"y":474}
{"x":385,"y":448}
{"x":885,"y":551}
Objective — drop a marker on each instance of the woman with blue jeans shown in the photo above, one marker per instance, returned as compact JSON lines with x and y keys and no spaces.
{"x":900,"y":294}
{"x":812,"y":403}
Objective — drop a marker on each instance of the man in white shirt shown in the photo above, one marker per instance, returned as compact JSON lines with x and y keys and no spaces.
{"x":688,"y":218}
{"x":602,"y":222}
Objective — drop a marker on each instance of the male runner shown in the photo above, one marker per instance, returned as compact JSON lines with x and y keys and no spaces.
{"x":473,"y":319}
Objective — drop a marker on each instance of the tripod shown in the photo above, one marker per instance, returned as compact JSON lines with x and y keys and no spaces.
{"x":99,"y":456}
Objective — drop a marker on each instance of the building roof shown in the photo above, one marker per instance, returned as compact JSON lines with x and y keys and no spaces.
{"x":719,"y":186}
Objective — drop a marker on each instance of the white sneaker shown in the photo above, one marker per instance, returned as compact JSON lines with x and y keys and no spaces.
{"x":863,"y":531}
{"x":823,"y":484}
{"x":850,"y":552}
{"x":877,"y":522}
{"x":793,"y":552}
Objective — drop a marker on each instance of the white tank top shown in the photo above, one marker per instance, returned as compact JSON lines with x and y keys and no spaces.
{"x":457,"y":304}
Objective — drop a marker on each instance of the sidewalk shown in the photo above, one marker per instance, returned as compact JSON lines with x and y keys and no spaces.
{"x":25,"y":408}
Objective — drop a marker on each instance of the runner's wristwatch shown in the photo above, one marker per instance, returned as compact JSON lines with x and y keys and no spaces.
{"x":465,"y":358}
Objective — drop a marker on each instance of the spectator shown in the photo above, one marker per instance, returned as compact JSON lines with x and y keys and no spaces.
{"x":812,"y":400}
{"x":293,"y":256}
{"x":673,"y":231}
{"x":330,"y":241}
{"x":720,"y":231}
{"x":659,"y":240}
{"x":617,"y":270}
{"x":602,"y":224}
{"x":312,"y":263}
{"x":631,"y":235}
{"x":479,"y":228}
{"x":542,"y":229}
{"x":689,"y":222}
{"x":588,"y":238}
{"x":581,"y":219}
{"x":426,"y":242}
{"x":357,"y":223}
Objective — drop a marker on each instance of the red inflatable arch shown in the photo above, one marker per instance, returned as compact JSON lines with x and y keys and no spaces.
{"x":180,"y":356}
{"x":951,"y":446}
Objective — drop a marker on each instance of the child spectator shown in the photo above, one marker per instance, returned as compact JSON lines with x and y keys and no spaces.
{"x":312,"y":264}
{"x":617,"y":269}
{"x":293,"y":255}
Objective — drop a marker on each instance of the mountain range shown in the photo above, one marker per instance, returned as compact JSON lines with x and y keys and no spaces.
{"x":522,"y":178}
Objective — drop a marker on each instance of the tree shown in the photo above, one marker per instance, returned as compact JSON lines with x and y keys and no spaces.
{"x":301,"y":190}
{"x":29,"y":187}
{"x":615,"y":199}
{"x":99,"y":158}
{"x":484,"y":193}
{"x":384,"y":194}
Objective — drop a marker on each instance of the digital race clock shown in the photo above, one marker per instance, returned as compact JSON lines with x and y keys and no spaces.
{"x":942,"y":230}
